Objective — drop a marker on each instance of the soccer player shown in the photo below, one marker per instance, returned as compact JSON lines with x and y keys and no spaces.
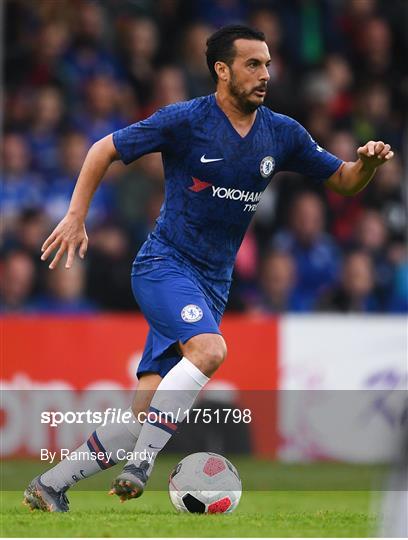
{"x":219,"y":154}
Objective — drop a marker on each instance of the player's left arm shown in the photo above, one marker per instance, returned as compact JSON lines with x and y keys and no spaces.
{"x":353,"y":176}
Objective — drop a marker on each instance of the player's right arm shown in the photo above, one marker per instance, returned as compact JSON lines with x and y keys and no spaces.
{"x":70,"y":233}
{"x":127,"y":144}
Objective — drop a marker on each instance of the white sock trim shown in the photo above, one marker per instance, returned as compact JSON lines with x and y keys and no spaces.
{"x":133,"y":426}
{"x":193,"y":371}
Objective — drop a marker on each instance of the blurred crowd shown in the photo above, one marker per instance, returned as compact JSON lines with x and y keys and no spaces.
{"x":77,"y":70}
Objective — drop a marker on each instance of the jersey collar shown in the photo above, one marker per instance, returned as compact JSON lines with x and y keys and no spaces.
{"x":231,"y":128}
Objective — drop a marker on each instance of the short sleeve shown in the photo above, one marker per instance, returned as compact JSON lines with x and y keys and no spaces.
{"x":154,"y":134}
{"x":307,"y":157}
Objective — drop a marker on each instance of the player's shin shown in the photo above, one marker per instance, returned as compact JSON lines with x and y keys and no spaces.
{"x":101,"y":451}
{"x":173,"y":398}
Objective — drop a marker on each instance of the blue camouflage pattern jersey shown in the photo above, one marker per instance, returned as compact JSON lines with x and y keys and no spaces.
{"x":214,"y":179}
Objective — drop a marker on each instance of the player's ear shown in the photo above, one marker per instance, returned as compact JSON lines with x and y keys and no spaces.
{"x":221,"y":70}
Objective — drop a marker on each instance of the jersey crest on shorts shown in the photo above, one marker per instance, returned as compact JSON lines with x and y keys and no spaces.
{"x":191,"y":313}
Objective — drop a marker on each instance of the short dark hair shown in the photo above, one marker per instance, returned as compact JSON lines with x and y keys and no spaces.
{"x":220,"y":45}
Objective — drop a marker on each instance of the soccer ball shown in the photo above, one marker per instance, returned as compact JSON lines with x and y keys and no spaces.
{"x":205,"y":483}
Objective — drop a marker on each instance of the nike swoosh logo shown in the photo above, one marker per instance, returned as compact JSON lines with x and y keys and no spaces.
{"x":203,"y":159}
{"x":154,"y":447}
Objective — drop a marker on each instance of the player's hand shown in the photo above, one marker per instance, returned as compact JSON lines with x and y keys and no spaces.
{"x":375,"y":153}
{"x":67,"y":236}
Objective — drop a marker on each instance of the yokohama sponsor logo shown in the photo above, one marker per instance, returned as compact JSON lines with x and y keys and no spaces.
{"x":236,"y":194}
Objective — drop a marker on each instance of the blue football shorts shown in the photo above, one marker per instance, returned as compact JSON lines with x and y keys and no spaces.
{"x":176,"y":309}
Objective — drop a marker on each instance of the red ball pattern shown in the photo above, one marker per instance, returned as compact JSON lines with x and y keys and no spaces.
{"x":219,"y":507}
{"x":214,"y":466}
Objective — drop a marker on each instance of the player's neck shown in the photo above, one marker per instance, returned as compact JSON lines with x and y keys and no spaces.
{"x":241,"y":121}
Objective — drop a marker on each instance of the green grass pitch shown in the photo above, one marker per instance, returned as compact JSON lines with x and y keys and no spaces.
{"x":288,"y":513}
{"x":317,"y":514}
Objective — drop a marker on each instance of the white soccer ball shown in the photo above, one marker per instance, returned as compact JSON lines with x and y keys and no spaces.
{"x":205,"y":483}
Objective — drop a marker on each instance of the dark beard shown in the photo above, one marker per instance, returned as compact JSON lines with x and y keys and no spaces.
{"x":244,"y":104}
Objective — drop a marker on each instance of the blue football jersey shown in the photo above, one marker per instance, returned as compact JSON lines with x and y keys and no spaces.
{"x":214,"y":180}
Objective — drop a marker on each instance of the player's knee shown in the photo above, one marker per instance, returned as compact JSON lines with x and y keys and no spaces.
{"x":206,"y":351}
{"x":215,"y":355}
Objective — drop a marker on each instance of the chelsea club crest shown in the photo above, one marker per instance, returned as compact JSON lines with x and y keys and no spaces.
{"x":267,"y":166}
{"x":191,"y":313}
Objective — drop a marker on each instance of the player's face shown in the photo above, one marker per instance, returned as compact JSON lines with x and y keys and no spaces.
{"x":249,"y":74}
